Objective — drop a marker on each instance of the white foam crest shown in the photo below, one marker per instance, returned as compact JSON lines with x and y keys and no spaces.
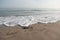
{"x":28,"y":20}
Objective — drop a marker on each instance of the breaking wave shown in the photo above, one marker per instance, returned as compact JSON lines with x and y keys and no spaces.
{"x":28,"y":20}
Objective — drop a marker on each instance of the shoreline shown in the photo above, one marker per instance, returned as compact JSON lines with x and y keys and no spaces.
{"x":28,"y":20}
{"x":39,"y":31}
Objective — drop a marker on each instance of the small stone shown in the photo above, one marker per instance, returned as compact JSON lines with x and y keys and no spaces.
{"x":25,"y":27}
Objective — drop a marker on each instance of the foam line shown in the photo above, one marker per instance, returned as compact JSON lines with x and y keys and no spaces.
{"x":28,"y":20}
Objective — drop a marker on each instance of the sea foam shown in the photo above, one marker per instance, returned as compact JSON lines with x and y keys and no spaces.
{"x":28,"y":20}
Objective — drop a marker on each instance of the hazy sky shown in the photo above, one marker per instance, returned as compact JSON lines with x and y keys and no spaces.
{"x":29,"y":3}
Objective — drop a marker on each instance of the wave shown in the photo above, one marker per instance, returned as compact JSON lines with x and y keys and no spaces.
{"x":28,"y":20}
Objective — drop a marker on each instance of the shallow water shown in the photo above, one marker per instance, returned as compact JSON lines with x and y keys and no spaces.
{"x":26,"y":17}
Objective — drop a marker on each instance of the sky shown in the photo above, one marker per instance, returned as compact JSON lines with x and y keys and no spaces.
{"x":29,"y":3}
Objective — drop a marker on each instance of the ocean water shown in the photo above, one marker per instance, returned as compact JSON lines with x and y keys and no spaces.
{"x":26,"y":17}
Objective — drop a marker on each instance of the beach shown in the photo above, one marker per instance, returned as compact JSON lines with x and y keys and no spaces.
{"x":38,"y":31}
{"x":29,"y":20}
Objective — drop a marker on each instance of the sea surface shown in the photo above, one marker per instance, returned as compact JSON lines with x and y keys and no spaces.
{"x":26,"y":17}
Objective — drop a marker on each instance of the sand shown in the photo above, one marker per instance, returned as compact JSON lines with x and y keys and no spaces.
{"x":39,"y":31}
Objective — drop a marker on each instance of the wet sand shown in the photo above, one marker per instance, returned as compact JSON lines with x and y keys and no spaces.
{"x":39,"y":31}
